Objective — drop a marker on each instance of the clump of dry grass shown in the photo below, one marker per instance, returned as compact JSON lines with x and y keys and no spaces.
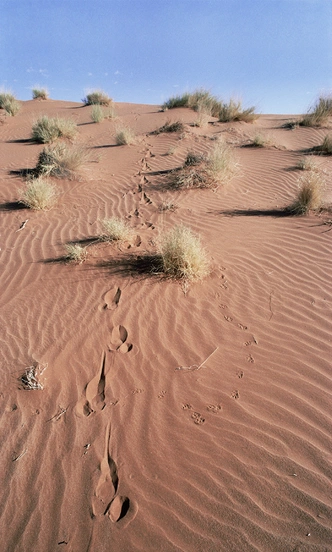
{"x":39,"y":194}
{"x":9,"y":103}
{"x":263,"y":141}
{"x":218,"y":167}
{"x":40,"y":94}
{"x":307,"y":164}
{"x":198,"y":100}
{"x":183,"y":255}
{"x":61,"y":160}
{"x":310,"y":191}
{"x":76,"y":253}
{"x":233,"y":111}
{"x":116,"y":229}
{"x":97,"y":97}
{"x":319,"y":114}
{"x":169,"y":126}
{"x":98,"y":113}
{"x":48,"y":129}
{"x":125,"y":136}
{"x":326,"y":146}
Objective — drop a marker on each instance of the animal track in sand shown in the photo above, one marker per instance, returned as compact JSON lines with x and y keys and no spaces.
{"x":112,"y":298}
{"x":235,"y":394}
{"x":162,"y":394}
{"x":187,"y":406}
{"x":118,"y":340}
{"x":215,"y":408}
{"x":240,"y":374}
{"x":198,"y":418}
{"x":94,"y":398}
{"x":106,"y":501}
{"x":250,"y":359}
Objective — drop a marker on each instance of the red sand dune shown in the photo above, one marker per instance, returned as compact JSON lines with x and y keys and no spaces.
{"x":120,"y":451}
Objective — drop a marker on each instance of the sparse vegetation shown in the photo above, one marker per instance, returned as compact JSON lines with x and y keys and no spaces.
{"x":319,"y":114}
{"x":30,"y":378}
{"x":326,"y":146}
{"x":48,"y":129}
{"x":233,"y":111}
{"x":61,"y":160}
{"x":262,"y":141}
{"x":199,"y":100}
{"x":217,"y":167}
{"x":97,"y":113}
{"x":116,"y":229}
{"x":39,"y":194}
{"x":307,"y":164}
{"x":169,"y":126}
{"x":182,"y":254}
{"x":125,"y":135}
{"x":39,"y":94}
{"x":76,"y":253}
{"x":97,"y":97}
{"x":309,"y":195}
{"x":9,"y":103}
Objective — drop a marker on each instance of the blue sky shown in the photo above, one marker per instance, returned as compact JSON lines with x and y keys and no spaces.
{"x":274,"y":54}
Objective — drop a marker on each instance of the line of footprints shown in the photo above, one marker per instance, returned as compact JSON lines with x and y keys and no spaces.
{"x":106,"y":500}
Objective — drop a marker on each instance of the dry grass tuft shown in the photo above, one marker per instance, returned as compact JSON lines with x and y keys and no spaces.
{"x":125,"y":136}
{"x":310,"y":193}
{"x":9,"y":103}
{"x":48,"y":129}
{"x":233,"y":111}
{"x":30,"y":378}
{"x":207,"y":172}
{"x":116,"y":229}
{"x":97,"y":97}
{"x":61,"y":160}
{"x":182,"y":254}
{"x":40,"y":94}
{"x":307,"y":164}
{"x":319,"y":114}
{"x":39,"y":194}
{"x":326,"y":146}
{"x":168,"y":206}
{"x":175,"y":126}
{"x":76,"y":253}
{"x":199,"y":100}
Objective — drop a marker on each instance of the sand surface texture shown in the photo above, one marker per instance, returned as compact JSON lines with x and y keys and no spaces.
{"x":121,"y":450}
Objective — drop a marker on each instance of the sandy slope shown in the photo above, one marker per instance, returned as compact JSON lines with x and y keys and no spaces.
{"x":121,"y":451}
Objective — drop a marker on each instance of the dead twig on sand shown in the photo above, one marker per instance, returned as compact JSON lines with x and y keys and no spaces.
{"x":195,"y":366}
{"x":20,"y":455}
{"x":29,"y":379}
{"x":56,"y":417}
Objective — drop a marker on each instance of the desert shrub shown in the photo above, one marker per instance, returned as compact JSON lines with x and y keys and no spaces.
{"x":216,"y":168}
{"x":309,"y":196}
{"x":176,"y":101}
{"x":39,"y":194}
{"x":97,"y":113}
{"x":47,"y":129}
{"x":319,"y":114}
{"x":204,"y":114}
{"x":125,"y":135}
{"x":9,"y":103}
{"x":183,"y":255}
{"x":97,"y":97}
{"x":176,"y":126}
{"x":326,"y":146}
{"x":198,"y":100}
{"x":263,"y":141}
{"x":61,"y":160}
{"x":39,"y":94}
{"x":233,"y":111}
{"x":116,"y":229}
{"x":168,"y":206}
{"x":193,"y":159}
{"x":307,"y":164}
{"x":76,"y":253}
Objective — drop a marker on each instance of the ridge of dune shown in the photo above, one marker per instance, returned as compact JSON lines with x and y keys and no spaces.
{"x":170,"y":419}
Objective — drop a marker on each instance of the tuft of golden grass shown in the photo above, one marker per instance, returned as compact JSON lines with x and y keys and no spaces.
{"x":97,"y":97}
{"x":233,"y":111}
{"x":218,"y":167}
{"x":40,"y":94}
{"x":48,"y":129}
{"x":310,"y":193}
{"x":183,"y":255}
{"x":326,"y":146}
{"x":76,"y":253}
{"x":61,"y":160}
{"x":39,"y":194}
{"x":116,"y":229}
{"x":319,"y":114}
{"x":169,"y":126}
{"x":125,"y":135}
{"x":307,"y":164}
{"x":9,"y":103}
